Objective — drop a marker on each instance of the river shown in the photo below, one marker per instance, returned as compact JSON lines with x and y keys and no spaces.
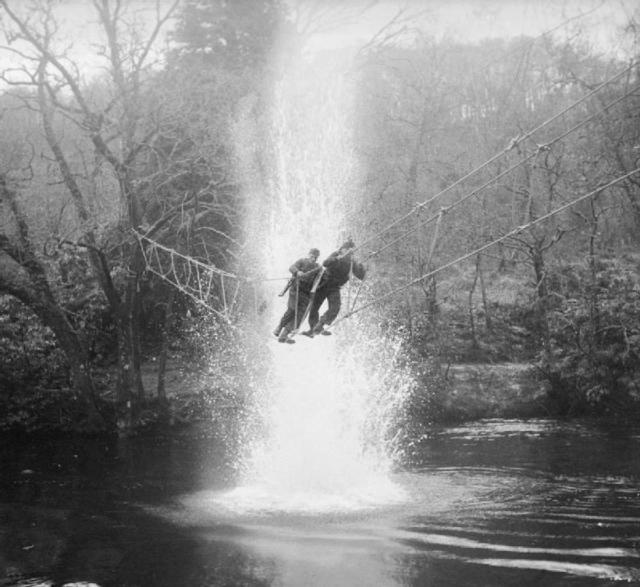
{"x":493,"y":503}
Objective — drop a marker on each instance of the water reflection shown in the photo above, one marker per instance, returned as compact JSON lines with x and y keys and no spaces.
{"x":495,"y":503}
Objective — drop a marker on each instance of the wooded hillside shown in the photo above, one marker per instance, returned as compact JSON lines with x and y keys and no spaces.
{"x":520,"y":156}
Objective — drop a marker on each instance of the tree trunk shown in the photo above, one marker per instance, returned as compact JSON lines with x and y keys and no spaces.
{"x":409,"y":317}
{"x":23,"y":276}
{"x":76,"y":352}
{"x":130,"y":387}
{"x":162,"y":359}
{"x":125,"y":361}
{"x":594,"y":308}
{"x":472,"y":322}
{"x":487,"y":315}
{"x":16,"y":280}
{"x":537,"y":258}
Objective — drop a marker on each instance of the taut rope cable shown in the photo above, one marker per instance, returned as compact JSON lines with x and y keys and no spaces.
{"x":295,"y":314}
{"x":211,"y":269}
{"x":190,"y":260}
{"x":517,"y":140}
{"x":489,"y":182}
{"x":511,"y":233}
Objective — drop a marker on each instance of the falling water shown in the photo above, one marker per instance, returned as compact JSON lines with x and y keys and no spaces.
{"x":327,"y":405}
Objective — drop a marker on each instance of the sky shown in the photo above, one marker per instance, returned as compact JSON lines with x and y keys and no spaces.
{"x":462,"y":20}
{"x":474,"y":20}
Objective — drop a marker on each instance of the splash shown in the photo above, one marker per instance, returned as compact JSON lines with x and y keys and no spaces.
{"x":328,"y":405}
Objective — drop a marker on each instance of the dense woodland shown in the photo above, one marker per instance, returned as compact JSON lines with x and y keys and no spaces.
{"x":87,"y":163}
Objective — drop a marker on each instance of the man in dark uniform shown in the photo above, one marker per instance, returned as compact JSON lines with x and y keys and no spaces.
{"x":338,"y":267}
{"x":304,"y":272}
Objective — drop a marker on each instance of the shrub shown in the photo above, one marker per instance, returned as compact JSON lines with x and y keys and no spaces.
{"x":594,"y":363}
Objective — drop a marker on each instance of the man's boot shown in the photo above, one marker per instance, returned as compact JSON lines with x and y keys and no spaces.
{"x":319,"y":329}
{"x":284,"y":336}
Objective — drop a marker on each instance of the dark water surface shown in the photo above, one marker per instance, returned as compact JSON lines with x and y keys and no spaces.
{"x":496,"y":503}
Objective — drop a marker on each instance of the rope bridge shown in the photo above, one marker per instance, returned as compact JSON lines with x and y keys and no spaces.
{"x":222,"y":292}
{"x":209,"y":286}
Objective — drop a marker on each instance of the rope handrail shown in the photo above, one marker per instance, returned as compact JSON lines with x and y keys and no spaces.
{"x":502,"y":174}
{"x":187,"y":258}
{"x":205,"y":284}
{"x":486,"y":246}
{"x":211,"y":269}
{"x":191,"y":295}
{"x":514,"y":142}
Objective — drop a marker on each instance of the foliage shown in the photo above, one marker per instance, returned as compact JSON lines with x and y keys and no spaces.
{"x":432,"y":112}
{"x":445,"y":334}
{"x":84,"y":302}
{"x":235,"y":35}
{"x":425,"y":403}
{"x":159,"y":144}
{"x":220,"y":351}
{"x":29,"y":355}
{"x":595,"y":360}
{"x":44,"y":410}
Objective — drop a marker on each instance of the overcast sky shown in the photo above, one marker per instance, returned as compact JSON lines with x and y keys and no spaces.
{"x":473,"y":20}
{"x":463,"y":20}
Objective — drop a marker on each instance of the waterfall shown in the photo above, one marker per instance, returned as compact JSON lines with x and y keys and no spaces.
{"x":328,"y":406}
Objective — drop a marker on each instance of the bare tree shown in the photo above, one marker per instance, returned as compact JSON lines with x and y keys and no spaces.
{"x":121,"y":134}
{"x":24,"y":276}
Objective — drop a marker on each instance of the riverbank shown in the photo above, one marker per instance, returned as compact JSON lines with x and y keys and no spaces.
{"x":458,"y":392}
{"x":471,"y":391}
{"x":496,"y":390}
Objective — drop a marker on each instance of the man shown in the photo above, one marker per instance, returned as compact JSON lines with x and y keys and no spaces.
{"x":338,"y":267}
{"x":304,"y":272}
